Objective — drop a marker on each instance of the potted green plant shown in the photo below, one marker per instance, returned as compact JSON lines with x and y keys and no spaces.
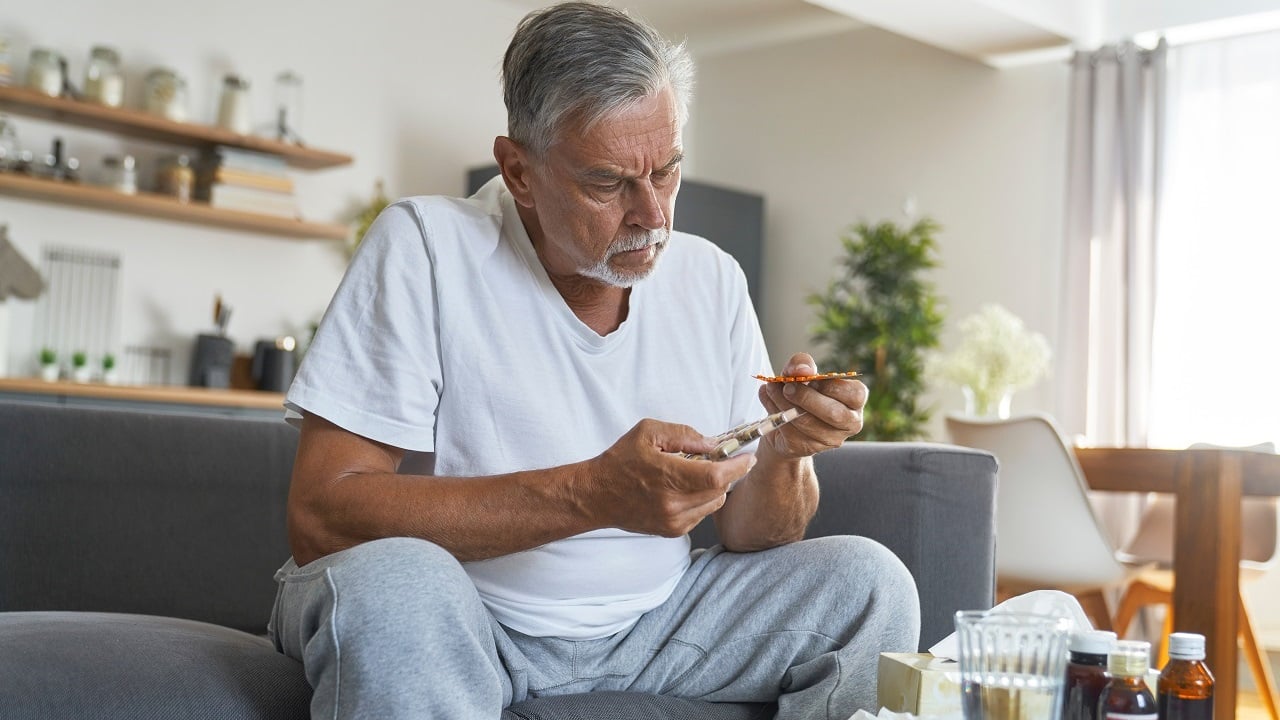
{"x":879,"y":317}
{"x":997,"y":355}
{"x":109,"y":374}
{"x":80,"y":366}
{"x":48,"y":364}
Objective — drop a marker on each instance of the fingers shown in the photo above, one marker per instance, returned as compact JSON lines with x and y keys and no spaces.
{"x":833,"y":409}
{"x":674,"y":438}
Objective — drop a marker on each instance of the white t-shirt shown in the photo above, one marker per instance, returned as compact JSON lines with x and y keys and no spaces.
{"x":447,"y":337}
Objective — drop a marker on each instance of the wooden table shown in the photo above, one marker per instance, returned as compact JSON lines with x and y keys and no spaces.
{"x":1208,"y":486}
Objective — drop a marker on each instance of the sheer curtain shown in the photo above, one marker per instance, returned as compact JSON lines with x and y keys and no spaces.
{"x":1114,"y":196}
{"x":1215,"y":365}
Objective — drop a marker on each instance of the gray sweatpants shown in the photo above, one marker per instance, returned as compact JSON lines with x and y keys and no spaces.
{"x":394,"y":629}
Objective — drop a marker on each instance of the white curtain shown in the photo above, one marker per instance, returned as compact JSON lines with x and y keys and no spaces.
{"x":1108,"y":292}
{"x":1216,"y":366}
{"x":1113,"y":201}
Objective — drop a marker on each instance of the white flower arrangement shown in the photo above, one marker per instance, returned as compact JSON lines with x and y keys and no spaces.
{"x":996,"y":355}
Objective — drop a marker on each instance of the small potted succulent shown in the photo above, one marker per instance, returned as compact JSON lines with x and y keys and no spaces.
{"x":48,"y":365}
{"x":80,"y":367}
{"x":109,"y":374}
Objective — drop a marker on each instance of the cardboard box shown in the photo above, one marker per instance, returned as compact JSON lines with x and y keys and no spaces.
{"x":919,"y":683}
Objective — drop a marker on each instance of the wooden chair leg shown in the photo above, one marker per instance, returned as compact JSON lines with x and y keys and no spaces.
{"x":1258,"y":664}
{"x":1138,"y":595}
{"x":1162,"y":646}
{"x":1094,"y":604}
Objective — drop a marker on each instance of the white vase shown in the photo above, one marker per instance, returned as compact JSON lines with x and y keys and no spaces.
{"x":49,"y":373}
{"x":81,"y":375}
{"x":978,"y":404}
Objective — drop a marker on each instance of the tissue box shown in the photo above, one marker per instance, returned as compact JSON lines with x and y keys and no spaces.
{"x":919,"y":683}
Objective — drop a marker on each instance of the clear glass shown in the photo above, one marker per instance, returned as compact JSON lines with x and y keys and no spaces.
{"x":103,"y":79}
{"x":45,"y":72}
{"x":288,"y":107}
{"x":8,"y":144}
{"x":1012,"y":665}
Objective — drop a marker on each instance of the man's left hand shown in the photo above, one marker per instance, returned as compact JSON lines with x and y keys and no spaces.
{"x":832,"y":410}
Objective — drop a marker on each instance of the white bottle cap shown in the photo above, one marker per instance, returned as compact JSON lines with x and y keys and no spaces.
{"x":1093,"y":642}
{"x":1186,"y":646}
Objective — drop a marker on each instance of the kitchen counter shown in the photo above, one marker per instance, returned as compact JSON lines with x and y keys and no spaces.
{"x":161,"y":398}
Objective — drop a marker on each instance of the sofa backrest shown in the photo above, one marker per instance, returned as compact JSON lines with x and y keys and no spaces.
{"x":129,"y":511}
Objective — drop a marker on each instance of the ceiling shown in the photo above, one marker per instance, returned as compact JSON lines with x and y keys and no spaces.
{"x":995,"y":32}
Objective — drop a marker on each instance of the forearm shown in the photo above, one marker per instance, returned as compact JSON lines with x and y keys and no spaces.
{"x":771,"y":506}
{"x":474,"y":518}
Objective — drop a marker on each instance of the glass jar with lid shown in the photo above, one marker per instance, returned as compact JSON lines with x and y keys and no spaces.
{"x":165,"y":94}
{"x":8,"y":144}
{"x":120,"y":173}
{"x":233,"y":108}
{"x":175,"y":177}
{"x":103,"y":79}
{"x":45,"y":71}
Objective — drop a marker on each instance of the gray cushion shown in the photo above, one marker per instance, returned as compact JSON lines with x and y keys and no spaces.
{"x":633,"y":706}
{"x":134,"y":512}
{"x":108,"y":666}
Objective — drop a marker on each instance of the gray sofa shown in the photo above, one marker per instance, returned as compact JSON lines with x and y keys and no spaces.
{"x":137,"y":552}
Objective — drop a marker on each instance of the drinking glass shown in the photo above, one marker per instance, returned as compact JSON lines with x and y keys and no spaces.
{"x":1012,"y":665}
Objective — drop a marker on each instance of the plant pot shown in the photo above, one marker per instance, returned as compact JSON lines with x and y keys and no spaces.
{"x":49,"y":373}
{"x":81,"y":375}
{"x":111,"y":377}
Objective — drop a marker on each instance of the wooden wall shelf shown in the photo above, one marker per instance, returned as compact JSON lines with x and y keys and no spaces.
{"x":135,"y":123}
{"x":163,"y":206}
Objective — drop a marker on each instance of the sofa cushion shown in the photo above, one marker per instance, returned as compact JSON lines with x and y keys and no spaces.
{"x":633,"y":706}
{"x":137,"y":667}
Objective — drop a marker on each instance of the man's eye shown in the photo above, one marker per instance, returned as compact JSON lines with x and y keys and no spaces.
{"x":609,"y":187}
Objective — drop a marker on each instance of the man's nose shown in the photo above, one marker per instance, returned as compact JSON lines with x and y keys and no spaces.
{"x":646,"y":207}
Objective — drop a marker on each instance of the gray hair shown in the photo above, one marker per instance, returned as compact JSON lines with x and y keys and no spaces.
{"x":579,"y":62}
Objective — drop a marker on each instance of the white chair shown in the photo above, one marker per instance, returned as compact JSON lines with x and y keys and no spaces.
{"x":1259,"y":552}
{"x":1047,"y":535}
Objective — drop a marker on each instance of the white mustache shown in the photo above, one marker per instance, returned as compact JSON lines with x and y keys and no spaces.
{"x":640,"y":240}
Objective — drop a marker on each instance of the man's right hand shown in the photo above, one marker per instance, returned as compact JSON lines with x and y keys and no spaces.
{"x":644,"y":484}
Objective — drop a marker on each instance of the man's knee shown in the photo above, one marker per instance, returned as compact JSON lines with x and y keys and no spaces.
{"x":398,"y":578}
{"x":858,"y":571}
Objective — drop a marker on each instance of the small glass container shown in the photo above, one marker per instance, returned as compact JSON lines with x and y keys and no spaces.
{"x":1185,"y":688}
{"x":1126,"y":695}
{"x":8,"y":144}
{"x":165,"y":94}
{"x":288,"y":119}
{"x":176,"y":178}
{"x":45,"y":72}
{"x":233,"y":108}
{"x":120,"y":173}
{"x":1086,"y":673}
{"x":6,"y":61}
{"x":103,"y":79}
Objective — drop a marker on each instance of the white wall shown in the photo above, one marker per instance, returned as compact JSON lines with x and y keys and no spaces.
{"x":409,"y":89}
{"x":847,"y":127}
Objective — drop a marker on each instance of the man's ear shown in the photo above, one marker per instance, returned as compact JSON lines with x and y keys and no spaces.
{"x":513,"y":161}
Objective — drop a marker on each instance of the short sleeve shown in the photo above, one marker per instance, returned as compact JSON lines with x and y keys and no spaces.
{"x":374,"y":366}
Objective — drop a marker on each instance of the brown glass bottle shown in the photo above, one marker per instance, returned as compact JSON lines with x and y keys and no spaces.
{"x":1126,"y":696}
{"x":1185,"y":688}
{"x":1086,"y":674}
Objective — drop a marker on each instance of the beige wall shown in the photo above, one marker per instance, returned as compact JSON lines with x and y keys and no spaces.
{"x":848,"y":127}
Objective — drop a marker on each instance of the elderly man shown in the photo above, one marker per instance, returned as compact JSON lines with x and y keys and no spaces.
{"x":493,"y":485}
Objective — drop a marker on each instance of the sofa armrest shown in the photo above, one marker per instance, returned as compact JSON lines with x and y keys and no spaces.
{"x":933,"y":505}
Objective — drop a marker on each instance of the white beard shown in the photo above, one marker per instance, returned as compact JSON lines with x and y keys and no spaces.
{"x":607,"y":273}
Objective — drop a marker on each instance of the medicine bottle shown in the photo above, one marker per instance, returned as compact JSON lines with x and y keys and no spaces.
{"x":1126,"y":696}
{"x":1086,"y":673}
{"x":1185,"y":688}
